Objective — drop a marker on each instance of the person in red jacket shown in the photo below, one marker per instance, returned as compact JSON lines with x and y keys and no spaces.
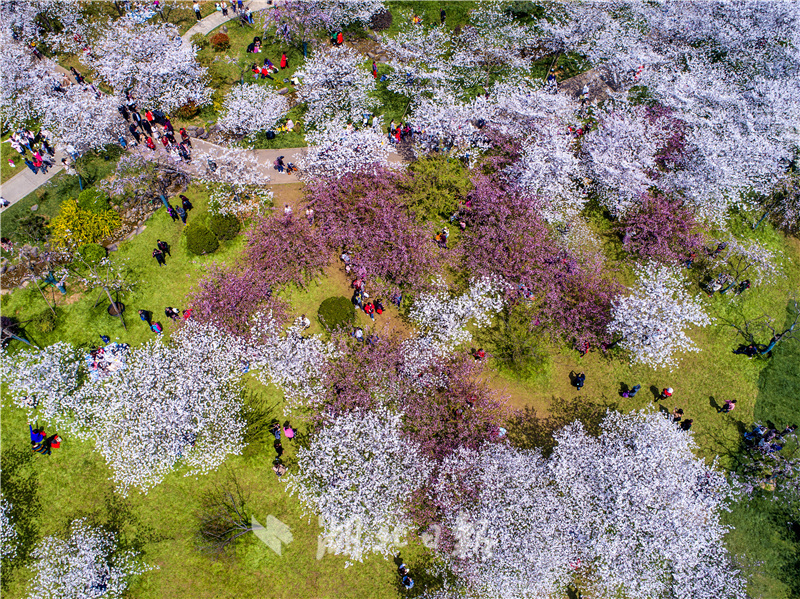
{"x":284,"y":61}
{"x":149,"y":116}
{"x":370,"y":310}
{"x":339,"y":39}
{"x":150,"y":144}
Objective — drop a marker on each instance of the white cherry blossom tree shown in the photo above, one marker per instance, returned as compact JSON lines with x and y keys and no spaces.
{"x":150,"y":62}
{"x":357,"y":476}
{"x":632,"y":513}
{"x":336,"y":87}
{"x":335,"y":149}
{"x":43,"y":381}
{"x":653,"y":319}
{"x":175,"y":402}
{"x":250,"y":108}
{"x":87,"y":564}
{"x":8,"y":533}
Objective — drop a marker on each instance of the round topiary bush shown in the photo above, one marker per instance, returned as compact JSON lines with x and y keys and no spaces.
{"x":92,"y":253}
{"x":224,"y":227}
{"x":336,"y":313}
{"x":44,"y":322}
{"x":381,"y":20}
{"x":93,"y":200}
{"x":220,"y":42}
{"x":199,"y":240}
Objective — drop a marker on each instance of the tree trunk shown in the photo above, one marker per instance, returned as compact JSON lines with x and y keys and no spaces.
{"x":119,"y":313}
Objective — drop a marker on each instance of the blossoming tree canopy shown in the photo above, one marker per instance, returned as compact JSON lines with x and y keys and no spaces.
{"x":152,"y":64}
{"x":250,"y":108}
{"x":86,"y":564}
{"x":335,"y":87}
{"x":176,"y":402}
{"x":630,"y":512}
{"x":653,"y":319}
{"x":356,"y":476}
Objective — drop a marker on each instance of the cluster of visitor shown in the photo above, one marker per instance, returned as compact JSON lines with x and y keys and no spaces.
{"x":38,"y":144}
{"x":155,"y":124}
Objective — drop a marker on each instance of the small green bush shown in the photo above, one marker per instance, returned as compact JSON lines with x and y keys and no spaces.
{"x":200,"y":40}
{"x":220,"y":42}
{"x":44,"y":322}
{"x":32,"y":228}
{"x":336,"y":313}
{"x":94,"y":200}
{"x":224,"y":227}
{"x":188,"y":110}
{"x":92,"y":253}
{"x":199,"y":240}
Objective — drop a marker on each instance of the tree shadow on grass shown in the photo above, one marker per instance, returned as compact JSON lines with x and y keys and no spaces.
{"x":20,"y":484}
{"x":528,"y":430}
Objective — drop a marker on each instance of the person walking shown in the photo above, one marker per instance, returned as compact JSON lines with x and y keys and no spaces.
{"x":172,"y":213}
{"x":288,"y":431}
{"x":30,"y":165}
{"x":136,"y":135}
{"x":579,"y":381}
{"x":310,"y":215}
{"x":677,"y":415}
{"x":172,"y":313}
{"x":278,"y":448}
{"x":164,"y":247}
{"x":686,"y":424}
{"x":442,"y":16}
{"x":284,"y":61}
{"x":196,"y":8}
{"x":187,"y":205}
{"x":159,"y":256}
{"x":181,"y":213}
{"x":632,"y":392}
{"x":145,"y":316}
{"x":275,"y":429}
{"x":728,"y":406}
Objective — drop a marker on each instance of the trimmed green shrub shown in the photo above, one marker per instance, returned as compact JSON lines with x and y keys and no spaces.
{"x":200,"y":40}
{"x":94,"y":200}
{"x":44,"y":322}
{"x":220,"y":42}
{"x":224,"y":227}
{"x":92,"y":252}
{"x":336,"y":313}
{"x":199,"y":240}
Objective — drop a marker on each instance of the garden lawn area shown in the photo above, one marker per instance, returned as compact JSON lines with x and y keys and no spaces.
{"x":75,"y":477}
{"x":74,"y":481}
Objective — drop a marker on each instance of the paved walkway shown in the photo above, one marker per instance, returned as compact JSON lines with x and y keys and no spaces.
{"x":25,"y":182}
{"x":214,"y":20}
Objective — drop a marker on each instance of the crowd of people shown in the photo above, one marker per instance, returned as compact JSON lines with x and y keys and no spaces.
{"x":39,"y":146}
{"x":155,"y":124}
{"x":104,"y":360}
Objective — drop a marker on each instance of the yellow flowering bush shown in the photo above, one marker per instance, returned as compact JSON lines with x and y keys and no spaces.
{"x":75,"y":226}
